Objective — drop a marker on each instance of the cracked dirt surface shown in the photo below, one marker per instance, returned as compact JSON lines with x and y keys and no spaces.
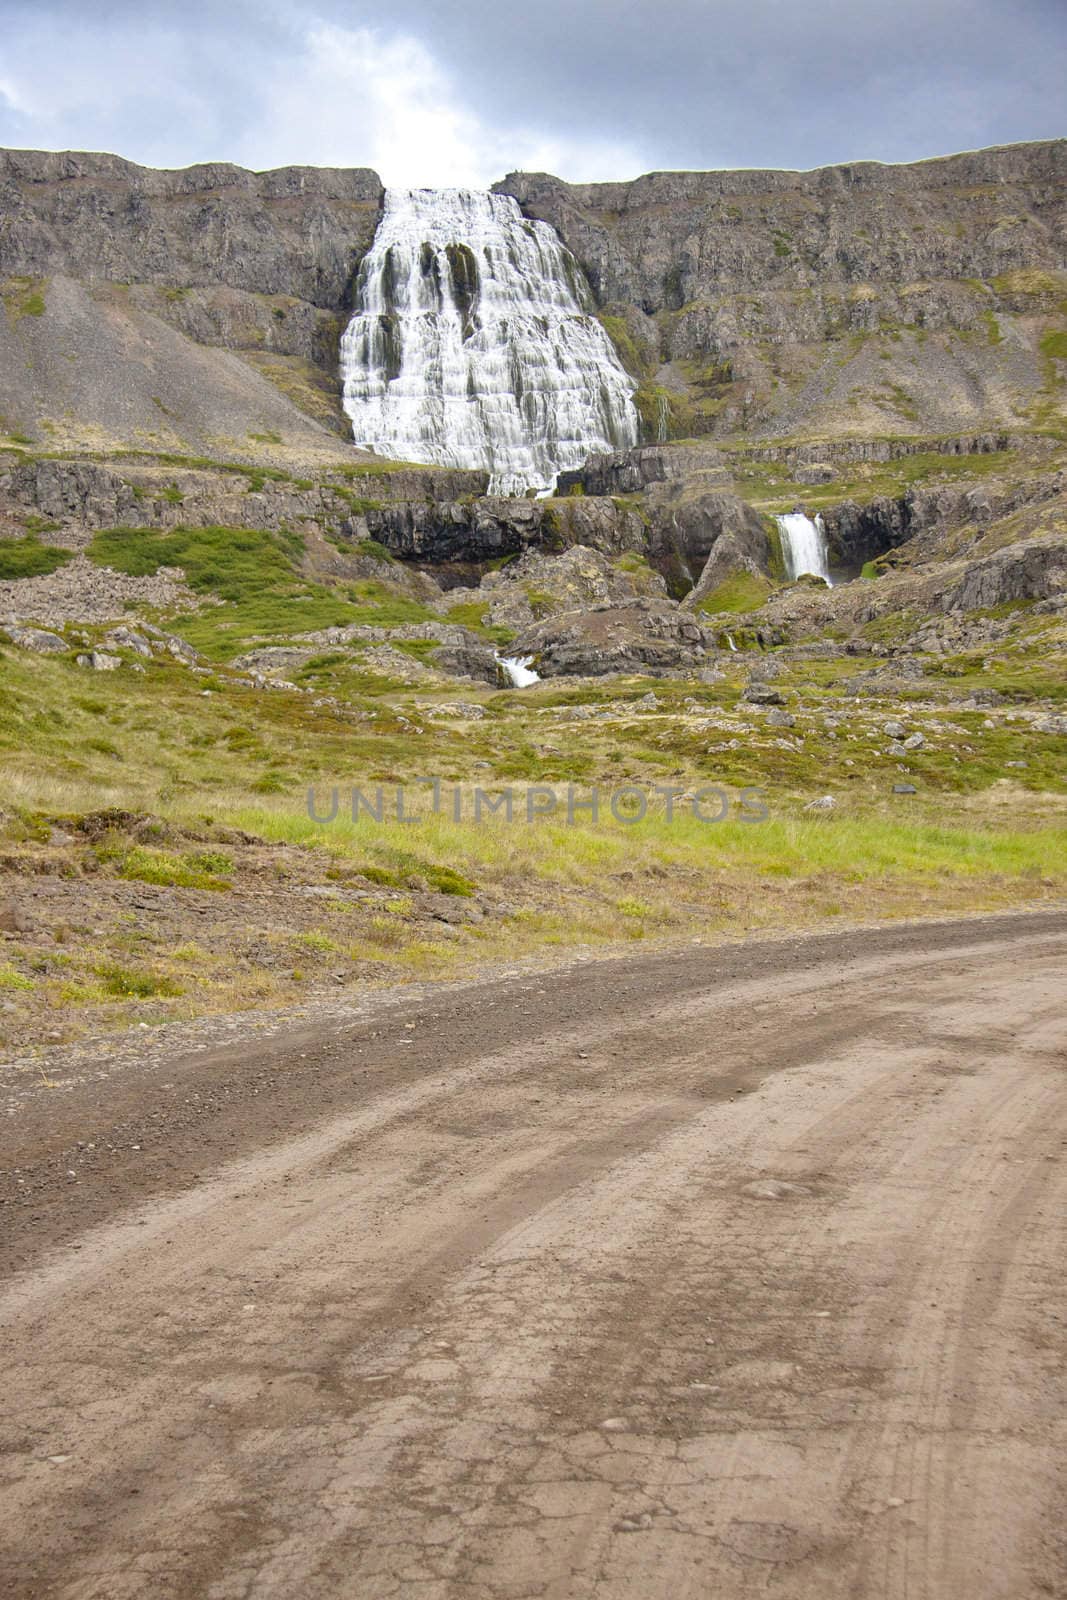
{"x":727,"y":1272}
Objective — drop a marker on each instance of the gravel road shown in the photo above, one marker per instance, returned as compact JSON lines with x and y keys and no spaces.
{"x":713,"y":1273}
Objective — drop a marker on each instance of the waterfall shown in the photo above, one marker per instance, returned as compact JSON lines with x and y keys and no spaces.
{"x":519,"y":671}
{"x":473,"y":344}
{"x":804,"y":545}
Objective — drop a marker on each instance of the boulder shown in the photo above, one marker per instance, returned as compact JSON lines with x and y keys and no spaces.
{"x":126,"y":639}
{"x":39,"y":640}
{"x":99,"y":661}
{"x":646,"y":636}
{"x":763,"y":694}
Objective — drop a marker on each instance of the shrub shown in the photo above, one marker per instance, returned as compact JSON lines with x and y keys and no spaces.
{"x":142,"y":865}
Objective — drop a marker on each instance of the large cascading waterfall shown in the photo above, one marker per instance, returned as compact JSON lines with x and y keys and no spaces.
{"x":473,"y":344}
{"x":804,"y":547}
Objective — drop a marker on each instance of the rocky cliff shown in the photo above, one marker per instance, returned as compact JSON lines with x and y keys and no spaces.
{"x":122,"y":287}
{"x":299,"y":232}
{"x":859,"y":298}
{"x":855,"y":302}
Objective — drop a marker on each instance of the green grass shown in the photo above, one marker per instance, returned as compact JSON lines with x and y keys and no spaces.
{"x":255,"y":572}
{"x":371,"y":547}
{"x":770,"y":487}
{"x":1055,"y":345}
{"x":10,"y":979}
{"x":161,"y":867}
{"x":23,"y":297}
{"x":858,"y":849}
{"x":29,"y":558}
{"x":741,"y":591}
{"x":473,"y":614}
{"x":135,"y":983}
{"x":232,"y":563}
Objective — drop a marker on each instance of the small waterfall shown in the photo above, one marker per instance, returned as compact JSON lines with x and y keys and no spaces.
{"x":730,"y":643}
{"x":473,"y":344}
{"x":804,"y":545}
{"x":519,"y":670}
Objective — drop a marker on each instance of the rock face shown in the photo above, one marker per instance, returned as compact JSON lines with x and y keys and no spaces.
{"x":720,"y":529}
{"x":631,"y":471}
{"x":441,"y":532}
{"x":859,"y":533}
{"x":91,"y":496}
{"x":670,"y":239}
{"x":145,"y":274}
{"x":688,"y":509}
{"x":296,"y":231}
{"x":723,"y":290}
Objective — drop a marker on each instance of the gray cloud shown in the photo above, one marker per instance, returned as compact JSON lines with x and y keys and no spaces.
{"x":436,"y":91}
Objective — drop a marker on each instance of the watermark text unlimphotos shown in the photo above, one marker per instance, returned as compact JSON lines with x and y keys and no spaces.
{"x":527,"y":804}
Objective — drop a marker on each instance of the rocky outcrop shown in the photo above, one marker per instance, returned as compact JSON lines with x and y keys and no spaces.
{"x":853,"y":452}
{"x":684,"y":535}
{"x":647,"y":636}
{"x":459,"y":652}
{"x":534,"y":585}
{"x":1033,"y":571}
{"x":737,"y":550}
{"x":85,"y":495}
{"x":925,"y":518}
{"x":631,"y":471}
{"x":296,"y":231}
{"x":441,"y":532}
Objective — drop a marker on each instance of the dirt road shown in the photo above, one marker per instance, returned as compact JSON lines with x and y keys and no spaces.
{"x":722,"y":1273}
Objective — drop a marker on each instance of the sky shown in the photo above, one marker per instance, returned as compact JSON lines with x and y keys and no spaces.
{"x":461,"y":92}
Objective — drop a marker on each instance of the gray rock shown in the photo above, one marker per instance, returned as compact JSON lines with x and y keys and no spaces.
{"x":904,"y":788}
{"x":99,"y":661}
{"x":181,"y":651}
{"x":914,"y":741}
{"x":776,"y":718}
{"x":39,"y":640}
{"x":893,"y":730}
{"x":650,"y":636}
{"x":450,"y":908}
{"x":126,"y":639}
{"x":763,"y":694}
